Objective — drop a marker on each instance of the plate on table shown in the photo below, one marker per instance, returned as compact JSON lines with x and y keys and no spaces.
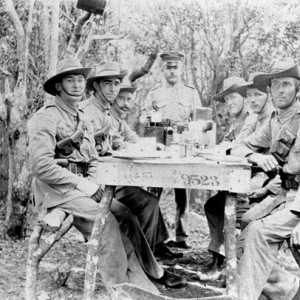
{"x":224,"y":158}
{"x":140,"y":155}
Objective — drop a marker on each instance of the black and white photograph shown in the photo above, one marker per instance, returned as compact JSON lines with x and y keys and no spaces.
{"x":149,"y":150}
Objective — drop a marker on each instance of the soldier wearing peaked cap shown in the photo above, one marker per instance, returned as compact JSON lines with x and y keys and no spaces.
{"x":259,"y":243}
{"x":175,"y":101}
{"x":133,"y":205}
{"x":63,"y":161}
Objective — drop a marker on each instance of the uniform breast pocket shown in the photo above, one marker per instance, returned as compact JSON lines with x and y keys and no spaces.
{"x":185,"y":109}
{"x":160,"y":104}
{"x":287,"y":138}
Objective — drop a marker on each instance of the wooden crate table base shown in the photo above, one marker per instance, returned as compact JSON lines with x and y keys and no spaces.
{"x":189,"y":173}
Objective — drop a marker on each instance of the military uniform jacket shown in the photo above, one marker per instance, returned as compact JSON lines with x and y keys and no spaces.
{"x":240,"y":126}
{"x":281,"y":135}
{"x":261,"y":119}
{"x":176,"y":103}
{"x":119,"y":126}
{"x":55,"y":121}
{"x":96,"y":113}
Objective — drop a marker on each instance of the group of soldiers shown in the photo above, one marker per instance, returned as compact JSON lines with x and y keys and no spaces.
{"x":265,"y":130}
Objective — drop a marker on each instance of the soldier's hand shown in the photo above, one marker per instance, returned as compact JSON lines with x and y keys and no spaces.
{"x":117,"y":141}
{"x":98,"y":195}
{"x":103,"y":148}
{"x":258,"y":194}
{"x":266,"y":162}
{"x":295,"y":236}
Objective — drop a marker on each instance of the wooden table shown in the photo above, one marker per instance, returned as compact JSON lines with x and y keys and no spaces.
{"x":190,"y":173}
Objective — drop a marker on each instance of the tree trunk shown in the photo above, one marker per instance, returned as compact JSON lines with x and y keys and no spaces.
{"x":19,"y":179}
{"x":54,"y":31}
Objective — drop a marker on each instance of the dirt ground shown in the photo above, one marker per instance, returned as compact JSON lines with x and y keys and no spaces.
{"x":72,"y":250}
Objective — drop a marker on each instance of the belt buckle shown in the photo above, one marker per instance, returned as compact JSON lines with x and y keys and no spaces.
{"x":73,"y":168}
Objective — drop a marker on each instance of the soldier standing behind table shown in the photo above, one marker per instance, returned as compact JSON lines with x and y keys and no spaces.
{"x":61,"y":131}
{"x":139,"y":209}
{"x":258,"y":245}
{"x":177,"y":102}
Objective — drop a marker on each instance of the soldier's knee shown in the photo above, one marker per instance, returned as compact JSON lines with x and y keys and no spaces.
{"x":245,"y":221}
{"x":255,"y":231}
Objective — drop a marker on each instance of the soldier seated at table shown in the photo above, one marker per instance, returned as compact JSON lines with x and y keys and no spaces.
{"x":133,"y":204}
{"x":258,"y":245}
{"x":123,"y":136}
{"x":234,"y":94}
{"x":63,"y":161}
{"x":175,"y":101}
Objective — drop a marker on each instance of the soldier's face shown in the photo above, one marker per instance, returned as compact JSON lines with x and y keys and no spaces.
{"x":283,"y":92}
{"x":110,"y":88}
{"x":172,"y":73}
{"x":123,"y":102}
{"x":256,"y":99}
{"x":235,"y":103}
{"x":72,"y":85}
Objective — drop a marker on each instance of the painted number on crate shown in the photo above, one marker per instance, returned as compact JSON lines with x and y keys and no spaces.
{"x":200,"y":180}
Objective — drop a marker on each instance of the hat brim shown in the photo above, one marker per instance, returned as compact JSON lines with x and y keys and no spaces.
{"x":128,"y":89}
{"x":232,"y":89}
{"x":243,"y":89}
{"x":49,"y":85}
{"x":263,"y":80}
{"x":89,"y":84}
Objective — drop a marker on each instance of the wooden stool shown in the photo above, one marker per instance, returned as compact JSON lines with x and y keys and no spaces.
{"x":37,"y":251}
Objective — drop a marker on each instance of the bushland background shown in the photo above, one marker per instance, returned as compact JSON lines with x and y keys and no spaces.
{"x":218,"y":38}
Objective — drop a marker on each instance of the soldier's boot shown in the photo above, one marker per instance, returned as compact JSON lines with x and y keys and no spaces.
{"x":215,"y":269}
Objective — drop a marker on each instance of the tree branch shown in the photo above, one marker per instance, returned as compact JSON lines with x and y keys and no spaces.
{"x":10,"y":9}
{"x":73,"y":43}
{"x":109,"y":37}
{"x":143,"y":70}
{"x":54,"y":37}
{"x":5,"y":72}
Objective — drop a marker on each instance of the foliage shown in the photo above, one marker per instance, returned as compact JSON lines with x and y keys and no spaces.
{"x":219,"y":38}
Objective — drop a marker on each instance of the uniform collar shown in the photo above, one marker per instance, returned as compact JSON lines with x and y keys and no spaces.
{"x":179,"y":84}
{"x":63,"y":104}
{"x":287,"y":114}
{"x":267,"y":111}
{"x":116,"y":114}
{"x":98,"y":103}
{"x":242,"y":115}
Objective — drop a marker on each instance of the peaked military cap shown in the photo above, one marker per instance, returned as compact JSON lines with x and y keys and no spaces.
{"x":65,"y":67}
{"x":283,"y":67}
{"x":172,"y":58}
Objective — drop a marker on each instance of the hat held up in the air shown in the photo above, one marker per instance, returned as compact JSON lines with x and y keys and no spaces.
{"x":106,"y":70}
{"x":231,"y":85}
{"x":283,"y":67}
{"x":65,"y":67}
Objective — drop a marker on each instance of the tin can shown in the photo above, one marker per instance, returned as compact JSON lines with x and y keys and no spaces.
{"x":189,"y":150}
{"x":182,"y":150}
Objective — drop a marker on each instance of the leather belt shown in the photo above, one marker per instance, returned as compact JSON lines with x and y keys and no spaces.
{"x":79,"y":168}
